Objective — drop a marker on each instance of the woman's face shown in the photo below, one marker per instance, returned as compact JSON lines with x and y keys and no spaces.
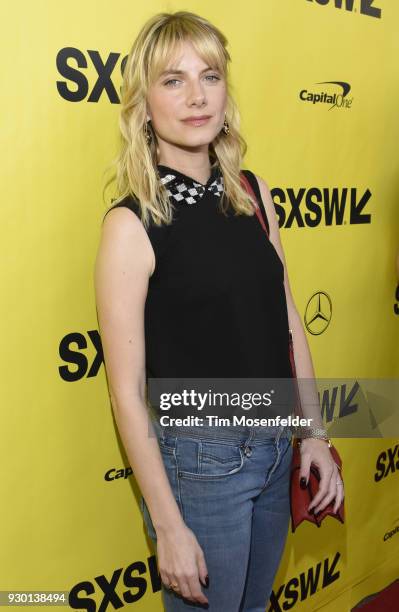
{"x":189,"y":88}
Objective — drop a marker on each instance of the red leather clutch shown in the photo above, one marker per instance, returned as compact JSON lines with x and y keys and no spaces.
{"x":301,"y":498}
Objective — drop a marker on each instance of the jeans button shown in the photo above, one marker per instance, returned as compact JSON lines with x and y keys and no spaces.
{"x":248,"y":451}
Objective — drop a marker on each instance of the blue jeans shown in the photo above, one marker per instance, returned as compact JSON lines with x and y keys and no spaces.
{"x":232,"y":488}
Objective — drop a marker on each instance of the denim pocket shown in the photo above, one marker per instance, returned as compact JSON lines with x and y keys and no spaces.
{"x":204,"y":459}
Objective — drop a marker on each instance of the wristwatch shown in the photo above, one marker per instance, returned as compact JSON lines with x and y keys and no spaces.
{"x":328,"y":440}
{"x":316,"y":437}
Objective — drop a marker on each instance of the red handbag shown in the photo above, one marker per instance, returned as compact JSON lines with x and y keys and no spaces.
{"x":301,"y":498}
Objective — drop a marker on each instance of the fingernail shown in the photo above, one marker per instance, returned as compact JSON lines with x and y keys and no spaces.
{"x":303,"y":482}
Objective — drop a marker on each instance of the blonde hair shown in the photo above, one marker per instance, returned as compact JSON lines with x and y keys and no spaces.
{"x":136,"y":163}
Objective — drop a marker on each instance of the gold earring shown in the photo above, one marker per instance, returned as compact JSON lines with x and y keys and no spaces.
{"x":226,"y":128}
{"x":147,"y":133}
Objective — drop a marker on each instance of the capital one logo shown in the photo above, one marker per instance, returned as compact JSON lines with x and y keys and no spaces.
{"x":393,"y":531}
{"x":337,"y":98}
{"x":364,"y":7}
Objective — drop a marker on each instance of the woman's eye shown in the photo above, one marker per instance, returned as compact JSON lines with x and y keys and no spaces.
{"x":171,"y":81}
{"x":211,"y":77}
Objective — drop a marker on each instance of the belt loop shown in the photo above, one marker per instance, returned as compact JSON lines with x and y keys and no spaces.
{"x":279,"y":434}
{"x":250,"y":437}
{"x":244,"y":445}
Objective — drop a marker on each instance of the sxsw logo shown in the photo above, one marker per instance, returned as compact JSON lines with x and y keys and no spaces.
{"x":301,"y":587}
{"x":71,"y":351}
{"x":364,"y":7}
{"x":314,"y":206}
{"x":341,"y":397}
{"x":124,"y":587}
{"x":387,"y":463}
{"x":72,"y":64}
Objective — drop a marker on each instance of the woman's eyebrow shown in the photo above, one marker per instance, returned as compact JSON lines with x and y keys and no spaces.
{"x":166,"y":72}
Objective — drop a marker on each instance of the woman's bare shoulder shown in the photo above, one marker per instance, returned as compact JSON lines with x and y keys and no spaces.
{"x":124,"y":240}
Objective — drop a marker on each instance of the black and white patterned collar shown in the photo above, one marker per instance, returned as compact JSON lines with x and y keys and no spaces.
{"x":181,"y":187}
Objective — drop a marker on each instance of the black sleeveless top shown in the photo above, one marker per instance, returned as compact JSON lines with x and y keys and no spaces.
{"x":216,"y":304}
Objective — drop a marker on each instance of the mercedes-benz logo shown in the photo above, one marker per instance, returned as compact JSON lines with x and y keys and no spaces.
{"x":318,"y":313}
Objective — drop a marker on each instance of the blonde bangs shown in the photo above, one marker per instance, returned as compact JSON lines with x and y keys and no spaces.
{"x":166,"y":48}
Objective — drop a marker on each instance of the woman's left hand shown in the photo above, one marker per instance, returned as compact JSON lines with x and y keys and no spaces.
{"x":316,"y":451}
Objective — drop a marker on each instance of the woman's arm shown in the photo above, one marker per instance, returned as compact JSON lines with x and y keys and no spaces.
{"x":124,"y":263}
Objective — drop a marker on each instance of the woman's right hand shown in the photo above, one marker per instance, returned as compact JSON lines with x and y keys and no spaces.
{"x":181,"y":561}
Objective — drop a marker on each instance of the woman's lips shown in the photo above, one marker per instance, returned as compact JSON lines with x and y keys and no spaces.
{"x":196,"y":122}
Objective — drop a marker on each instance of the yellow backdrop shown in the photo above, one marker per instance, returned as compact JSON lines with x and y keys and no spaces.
{"x":318,"y":90}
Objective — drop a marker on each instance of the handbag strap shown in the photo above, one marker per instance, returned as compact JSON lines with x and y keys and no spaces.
{"x":248,"y":188}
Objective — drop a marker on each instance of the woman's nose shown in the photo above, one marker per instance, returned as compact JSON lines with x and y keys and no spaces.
{"x":196,"y":93}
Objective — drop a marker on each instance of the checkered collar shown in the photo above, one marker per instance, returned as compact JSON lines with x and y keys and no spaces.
{"x":182,"y":188}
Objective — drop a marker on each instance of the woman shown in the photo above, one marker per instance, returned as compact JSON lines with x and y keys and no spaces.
{"x":189,"y":286}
